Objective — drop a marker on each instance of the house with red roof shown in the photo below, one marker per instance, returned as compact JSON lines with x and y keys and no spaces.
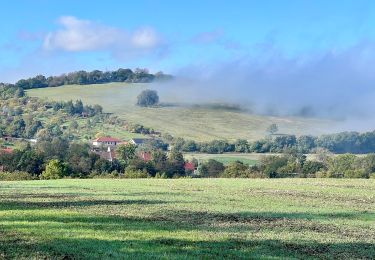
{"x":189,"y":167}
{"x":145,"y":156}
{"x":106,"y":141}
{"x":6,"y":150}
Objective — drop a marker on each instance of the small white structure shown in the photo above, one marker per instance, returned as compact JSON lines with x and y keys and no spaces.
{"x":106,"y":141}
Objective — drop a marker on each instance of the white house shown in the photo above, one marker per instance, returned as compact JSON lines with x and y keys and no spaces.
{"x":106,"y":141}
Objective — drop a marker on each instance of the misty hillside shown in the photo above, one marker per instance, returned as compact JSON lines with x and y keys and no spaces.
{"x":199,"y":121}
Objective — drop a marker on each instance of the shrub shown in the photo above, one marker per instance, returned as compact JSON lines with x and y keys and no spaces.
{"x":147,"y":98}
{"x":55,"y":169}
{"x":357,"y":173}
{"x":211,"y":168}
{"x":15,"y":176}
{"x":236,"y":170}
{"x":106,"y":175}
{"x":271,"y":165}
{"x":312,"y":167}
{"x":135,"y":174}
{"x":161,"y":176}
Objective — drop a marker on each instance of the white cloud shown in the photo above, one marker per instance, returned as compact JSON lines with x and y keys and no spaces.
{"x":85,"y":35}
{"x":145,"y":38}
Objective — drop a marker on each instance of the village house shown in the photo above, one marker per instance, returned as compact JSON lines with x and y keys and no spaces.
{"x":5,"y":150}
{"x":110,"y":143}
{"x":106,"y":141}
{"x":110,"y":154}
{"x":145,"y":156}
{"x":189,"y":167}
{"x":138,"y":141}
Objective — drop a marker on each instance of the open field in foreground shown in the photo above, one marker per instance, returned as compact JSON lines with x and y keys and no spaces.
{"x":198,"y":123}
{"x":188,"y":218}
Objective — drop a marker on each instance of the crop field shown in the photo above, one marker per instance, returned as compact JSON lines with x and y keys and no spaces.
{"x":199,"y":123}
{"x":188,"y":219}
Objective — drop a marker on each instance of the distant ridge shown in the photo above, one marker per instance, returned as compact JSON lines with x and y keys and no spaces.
{"x":94,"y":77}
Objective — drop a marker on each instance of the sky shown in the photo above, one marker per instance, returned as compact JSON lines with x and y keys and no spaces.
{"x":54,"y":37}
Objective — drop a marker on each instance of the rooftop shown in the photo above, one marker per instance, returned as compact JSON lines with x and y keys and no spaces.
{"x":107,"y":139}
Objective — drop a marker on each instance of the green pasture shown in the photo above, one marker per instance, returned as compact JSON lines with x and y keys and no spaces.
{"x":248,"y":158}
{"x":199,"y":123}
{"x":188,"y":219}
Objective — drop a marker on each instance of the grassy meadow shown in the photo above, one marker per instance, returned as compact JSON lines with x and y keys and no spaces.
{"x":199,"y":123}
{"x":247,"y":158}
{"x":188,"y":219}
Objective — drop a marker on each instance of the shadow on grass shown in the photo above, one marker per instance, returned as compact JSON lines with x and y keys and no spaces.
{"x":70,"y":236}
{"x":16,"y":205}
{"x":184,"y":220}
{"x":171,"y":248}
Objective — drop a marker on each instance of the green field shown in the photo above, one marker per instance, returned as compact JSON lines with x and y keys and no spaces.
{"x":198,"y":123}
{"x":188,"y":219}
{"x":248,"y":158}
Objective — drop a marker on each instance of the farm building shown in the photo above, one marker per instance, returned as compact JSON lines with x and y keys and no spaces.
{"x":110,"y":154}
{"x":189,"y":166}
{"x":145,"y":156}
{"x":106,"y":141}
{"x":138,"y":141}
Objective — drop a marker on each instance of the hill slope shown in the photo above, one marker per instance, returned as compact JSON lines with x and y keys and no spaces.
{"x":198,"y":123}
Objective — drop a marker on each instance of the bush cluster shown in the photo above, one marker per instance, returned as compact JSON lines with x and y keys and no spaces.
{"x":345,"y":142}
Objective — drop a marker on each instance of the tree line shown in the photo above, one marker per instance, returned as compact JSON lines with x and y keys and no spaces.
{"x":58,"y":158}
{"x":295,"y":165}
{"x":344,"y":142}
{"x":93,"y":77}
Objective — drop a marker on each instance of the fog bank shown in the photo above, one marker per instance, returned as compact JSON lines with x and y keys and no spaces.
{"x":336,"y":84}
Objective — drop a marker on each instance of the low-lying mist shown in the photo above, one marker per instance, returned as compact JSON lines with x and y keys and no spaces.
{"x":336,"y":84}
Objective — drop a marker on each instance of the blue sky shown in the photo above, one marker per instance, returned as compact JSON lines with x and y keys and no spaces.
{"x":52,"y":37}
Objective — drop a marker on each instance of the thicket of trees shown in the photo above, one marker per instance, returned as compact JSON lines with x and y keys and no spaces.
{"x":56,"y":157}
{"x":93,"y":77}
{"x":345,"y":142}
{"x":25,"y":117}
{"x":294,"y":164}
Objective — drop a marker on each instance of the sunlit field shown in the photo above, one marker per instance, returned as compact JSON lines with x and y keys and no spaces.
{"x":188,"y":219}
{"x":197,"y":123}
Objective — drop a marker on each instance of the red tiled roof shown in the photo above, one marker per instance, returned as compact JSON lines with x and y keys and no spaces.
{"x":189,"y":166}
{"x":145,"y":156}
{"x":7,"y":150}
{"x":107,"y":139}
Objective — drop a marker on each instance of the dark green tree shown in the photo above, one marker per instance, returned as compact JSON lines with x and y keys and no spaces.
{"x":147,"y":98}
